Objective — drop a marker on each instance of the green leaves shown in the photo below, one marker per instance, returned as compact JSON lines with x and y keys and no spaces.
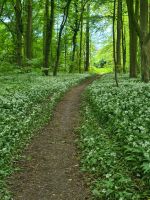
{"x":115,"y":140}
{"x":146,"y":167}
{"x":26,"y":104}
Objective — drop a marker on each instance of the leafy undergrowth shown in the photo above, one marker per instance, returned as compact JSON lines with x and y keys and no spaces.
{"x":26,"y":103}
{"x":115,"y":139}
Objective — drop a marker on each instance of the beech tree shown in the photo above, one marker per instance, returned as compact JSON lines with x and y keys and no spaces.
{"x":119,"y":36}
{"x":63,"y":23}
{"x":19,"y":31}
{"x":133,"y":37}
{"x":114,"y":43}
{"x":28,"y":30}
{"x":49,"y":25}
{"x":143,"y":32}
{"x":124,"y":45}
{"x":87,"y":61}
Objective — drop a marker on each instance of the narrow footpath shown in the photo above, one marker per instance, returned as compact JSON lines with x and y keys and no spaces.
{"x":50,"y":164}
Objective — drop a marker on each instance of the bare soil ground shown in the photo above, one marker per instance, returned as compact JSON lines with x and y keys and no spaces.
{"x":50,"y":164}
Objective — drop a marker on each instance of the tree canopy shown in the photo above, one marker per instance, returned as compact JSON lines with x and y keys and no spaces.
{"x":72,"y":35}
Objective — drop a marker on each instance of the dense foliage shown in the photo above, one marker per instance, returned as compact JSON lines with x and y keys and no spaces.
{"x":26,"y":103}
{"x":115,"y":139}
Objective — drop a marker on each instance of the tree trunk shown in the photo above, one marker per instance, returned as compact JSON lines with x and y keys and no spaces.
{"x":133,"y":39}
{"x":119,"y":33}
{"x":87,"y":61}
{"x":66,"y":49}
{"x":65,"y":17}
{"x":81,"y":41}
{"x":137,"y":9}
{"x":49,"y":17}
{"x":149,"y":15}
{"x":74,"y":44}
{"x":74,"y":38}
{"x":19,"y":31}
{"x":144,"y":40}
{"x":124,"y":53}
{"x":29,"y":30}
{"x":144,"y":36}
{"x":114,"y":44}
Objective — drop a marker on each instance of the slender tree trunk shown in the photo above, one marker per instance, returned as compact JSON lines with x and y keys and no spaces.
{"x":133,"y":40}
{"x":48,"y":34}
{"x":65,"y":17}
{"x":149,"y":14}
{"x":145,"y":40}
{"x":74,"y":38}
{"x":76,"y":30}
{"x":114,"y":44}
{"x":81,"y":41}
{"x":83,"y":4}
{"x":74,"y":44}
{"x":66,"y":49}
{"x":137,"y":9}
{"x":19,"y":31}
{"x":119,"y":33}
{"x":28,"y":43}
{"x":124,"y":53}
{"x":87,"y":61}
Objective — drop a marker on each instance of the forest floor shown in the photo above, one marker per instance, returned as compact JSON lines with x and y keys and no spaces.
{"x":49,"y":168}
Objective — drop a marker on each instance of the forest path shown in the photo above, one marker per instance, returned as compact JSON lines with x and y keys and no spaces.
{"x":50,"y":164}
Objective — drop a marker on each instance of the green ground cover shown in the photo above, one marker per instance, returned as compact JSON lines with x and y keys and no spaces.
{"x":26,"y":104}
{"x":115,"y":139}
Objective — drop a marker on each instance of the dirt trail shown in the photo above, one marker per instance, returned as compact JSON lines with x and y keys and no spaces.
{"x":50,"y":165}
